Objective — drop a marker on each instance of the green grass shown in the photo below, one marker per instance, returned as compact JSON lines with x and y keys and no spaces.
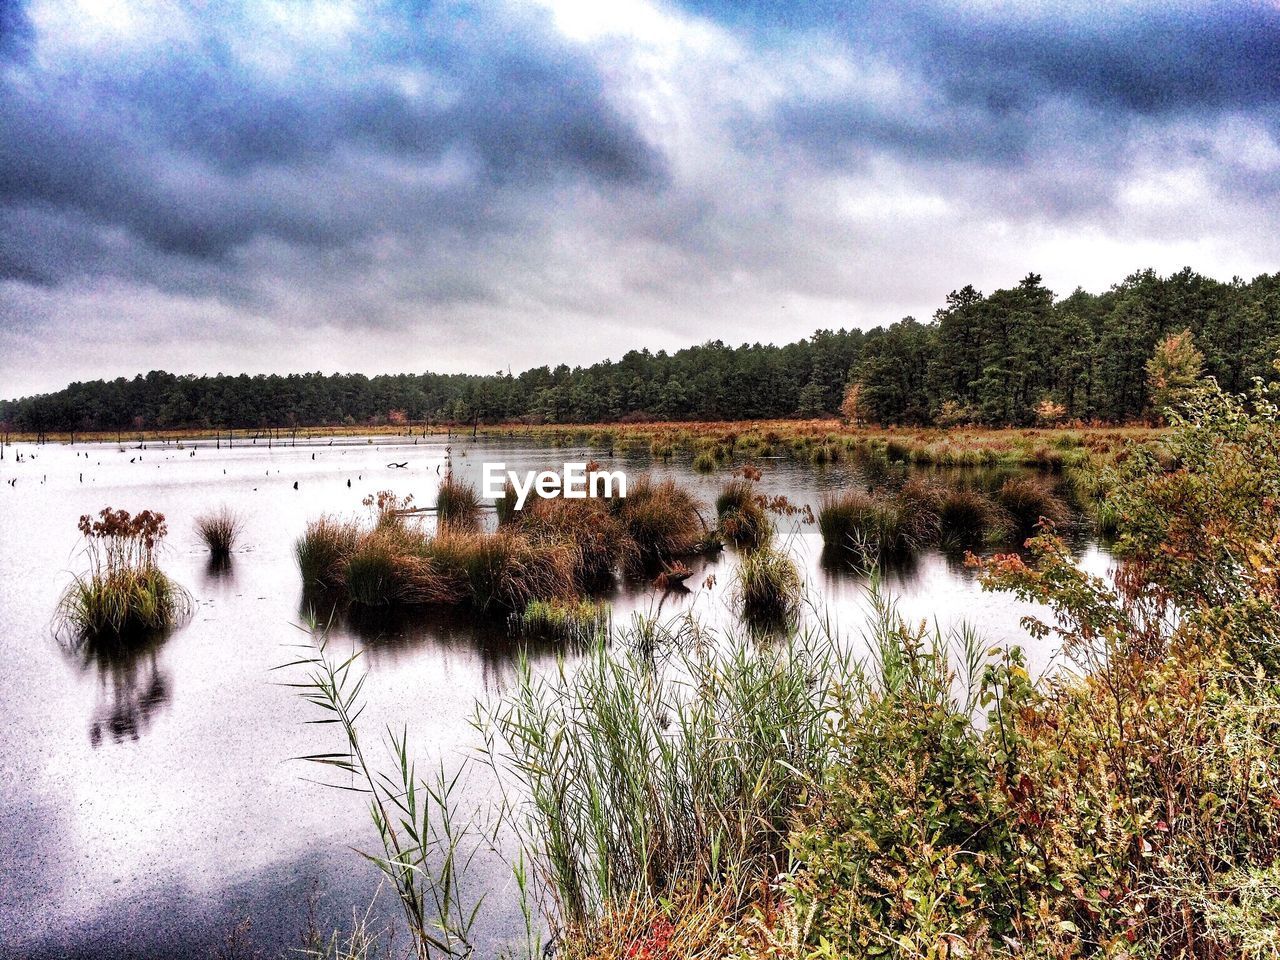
{"x":769,"y":588}
{"x":576,"y":622}
{"x":121,"y":604}
{"x":324,"y":549}
{"x":871,"y":528}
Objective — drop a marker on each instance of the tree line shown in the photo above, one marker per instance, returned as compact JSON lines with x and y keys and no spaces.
{"x":1015,"y":356}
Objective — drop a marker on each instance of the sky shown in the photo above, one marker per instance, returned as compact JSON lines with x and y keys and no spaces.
{"x":244,"y":186}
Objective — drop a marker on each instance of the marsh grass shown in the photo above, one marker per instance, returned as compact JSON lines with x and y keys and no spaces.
{"x":1027,"y":501}
{"x":577,"y":622}
{"x":597,"y":539}
{"x":457,"y":504}
{"x":871,"y":528}
{"x":505,"y":505}
{"x":968,"y":517}
{"x":742,"y":518}
{"x":631,"y":779}
{"x":220,"y":530}
{"x":498,"y":570}
{"x":769,"y":588}
{"x":124,"y":595}
{"x":324,"y":550}
{"x":662,"y":520}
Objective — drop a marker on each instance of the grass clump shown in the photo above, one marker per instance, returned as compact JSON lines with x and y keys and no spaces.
{"x":498,"y":570}
{"x":870,"y":527}
{"x":967,"y":517}
{"x":505,"y":505}
{"x":597,"y":540}
{"x":573,"y":621}
{"x":220,"y":530}
{"x":705,"y":462}
{"x":324,"y":549}
{"x":664,"y":781}
{"x":1026,"y":502}
{"x":769,"y":587}
{"x":661,"y":519}
{"x":124,"y":594}
{"x":742,"y":518}
{"x":457,"y":504}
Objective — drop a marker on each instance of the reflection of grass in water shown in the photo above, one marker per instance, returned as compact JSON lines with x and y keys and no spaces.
{"x":129,"y":675}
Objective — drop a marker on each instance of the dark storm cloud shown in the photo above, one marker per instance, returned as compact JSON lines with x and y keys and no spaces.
{"x":987,"y":77}
{"x":192,"y":154}
{"x":385,"y":185}
{"x":15,"y":29}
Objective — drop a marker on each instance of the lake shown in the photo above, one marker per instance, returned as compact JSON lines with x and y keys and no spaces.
{"x":149,"y":807}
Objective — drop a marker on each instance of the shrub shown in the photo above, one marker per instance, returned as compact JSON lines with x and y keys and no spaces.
{"x":220,"y":530}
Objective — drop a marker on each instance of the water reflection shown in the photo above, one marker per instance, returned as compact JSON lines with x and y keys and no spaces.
{"x":395,"y":634}
{"x":133,"y":685}
{"x":220,"y":569}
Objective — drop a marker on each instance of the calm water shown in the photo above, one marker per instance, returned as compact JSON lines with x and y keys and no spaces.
{"x":148,"y":807}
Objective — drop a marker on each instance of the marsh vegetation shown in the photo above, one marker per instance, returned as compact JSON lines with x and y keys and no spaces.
{"x":685,"y":792}
{"x":124,"y":594}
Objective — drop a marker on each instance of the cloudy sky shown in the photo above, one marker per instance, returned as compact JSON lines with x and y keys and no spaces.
{"x":280,"y":186}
